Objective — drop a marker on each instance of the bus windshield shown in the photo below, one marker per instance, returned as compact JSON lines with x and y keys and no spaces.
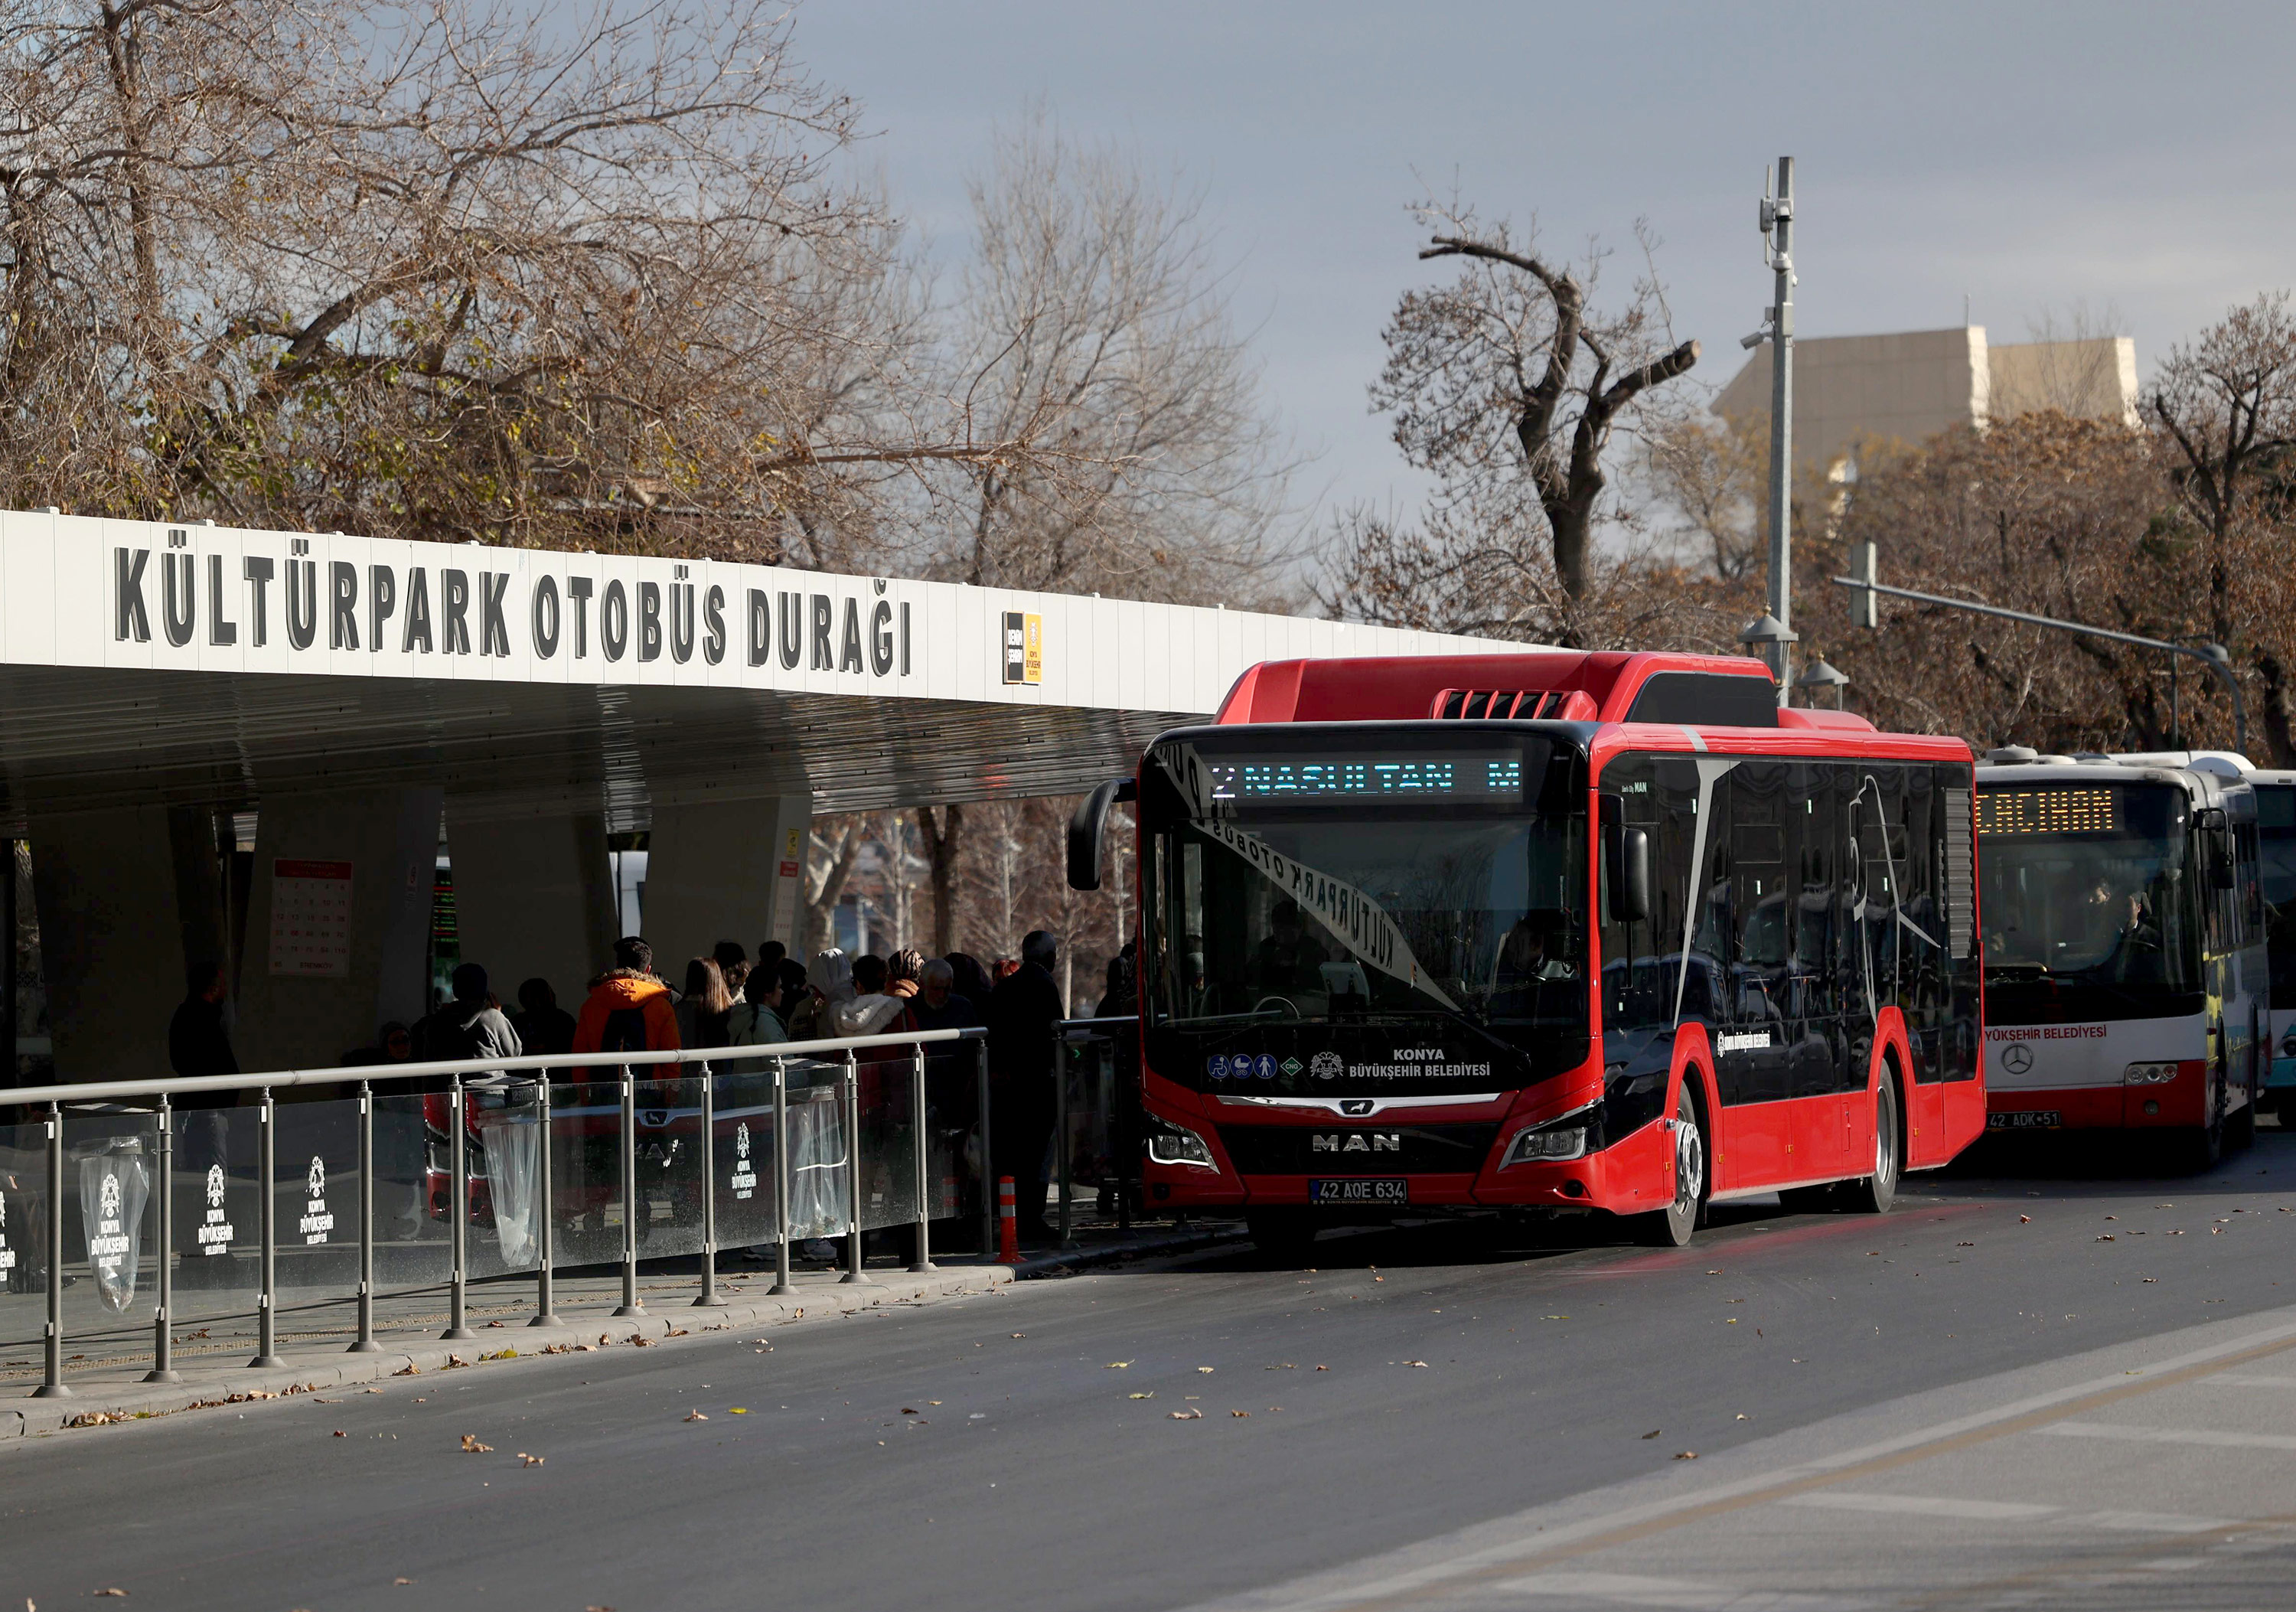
{"x":1364,"y":890}
{"x":2276,"y":814}
{"x":2091,"y":902}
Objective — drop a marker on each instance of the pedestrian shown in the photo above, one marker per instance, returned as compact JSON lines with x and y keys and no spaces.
{"x":1023,"y":1011}
{"x":771,"y":956}
{"x":701,"y":1011}
{"x":756,"y":1020}
{"x":828,"y":981}
{"x":543,"y":1028}
{"x":1122,"y":998}
{"x":901,"y":971}
{"x":393,"y":1044}
{"x":973,"y":981}
{"x":198,"y":1042}
{"x":467,"y":1027}
{"x":872,"y":1010}
{"x":733,"y":965}
{"x":627,"y":1009}
{"x":939,"y":1006}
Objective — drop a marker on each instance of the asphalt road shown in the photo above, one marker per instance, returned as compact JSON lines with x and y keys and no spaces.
{"x":1021,"y":1449}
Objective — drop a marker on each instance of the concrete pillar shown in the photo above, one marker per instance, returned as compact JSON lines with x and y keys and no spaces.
{"x":111,"y":941}
{"x":725,"y":870}
{"x":533,"y":896}
{"x":315,"y":985}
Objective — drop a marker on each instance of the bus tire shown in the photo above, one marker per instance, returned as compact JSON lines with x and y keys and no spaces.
{"x":2204,"y":1146}
{"x":1875,"y":1193}
{"x":1673,"y":1226}
{"x":1282,"y":1235}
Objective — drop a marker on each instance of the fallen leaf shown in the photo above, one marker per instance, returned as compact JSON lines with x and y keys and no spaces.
{"x":1323,"y":1368}
{"x":528,"y":1461}
{"x":1119,"y":1365}
{"x":471,"y":1445}
{"x":695,"y":1416}
{"x":1653,"y":1433}
{"x":1744,"y":1417}
{"x":453,"y":1360}
{"x":1685,"y":1455}
{"x":1416,"y":1362}
{"x":2152,"y":1279}
{"x":1150,"y":1394}
{"x":340,"y":1434}
{"x":409,"y":1370}
{"x":1206,"y":1371}
{"x":641,"y":1341}
{"x":1239,"y":1413}
{"x":910,"y":1411}
{"x":494,"y":1323}
{"x":1187,"y":1415}
{"x":402,"y":1580}
{"x":2024,"y":1220}
{"x":739,"y":1411}
{"x":1019,"y":1334}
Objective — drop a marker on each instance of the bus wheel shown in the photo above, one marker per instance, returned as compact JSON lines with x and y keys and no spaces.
{"x":1671,"y":1227}
{"x":1282,"y":1235}
{"x":2204,"y":1144}
{"x":1875,"y":1193}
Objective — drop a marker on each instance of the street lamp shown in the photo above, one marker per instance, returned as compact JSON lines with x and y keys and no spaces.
{"x":1767,"y":638}
{"x":1821,"y":675}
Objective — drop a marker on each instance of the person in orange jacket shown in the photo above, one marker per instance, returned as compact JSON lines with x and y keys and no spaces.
{"x":627,"y":1009}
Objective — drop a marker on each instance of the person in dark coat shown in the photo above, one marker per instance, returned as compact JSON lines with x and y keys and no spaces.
{"x":469,"y":1028}
{"x":197,"y":1042}
{"x":1022,"y":1011}
{"x":544,"y":1027}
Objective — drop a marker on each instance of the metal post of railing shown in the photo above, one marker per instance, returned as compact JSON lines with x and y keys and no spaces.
{"x":987,"y":1160}
{"x":545,"y":1243}
{"x":163,"y":1342}
{"x":922,"y":1265}
{"x":365,"y":1343}
{"x":51,"y":1379}
{"x":1060,"y":1132}
{"x":708,"y":1297}
{"x":854,"y":1273}
{"x":629,"y":1305}
{"x":781,"y":1283}
{"x":460,"y":1239}
{"x":267,"y":1218}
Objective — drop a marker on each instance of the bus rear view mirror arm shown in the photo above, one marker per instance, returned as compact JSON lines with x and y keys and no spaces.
{"x":1088,"y":827}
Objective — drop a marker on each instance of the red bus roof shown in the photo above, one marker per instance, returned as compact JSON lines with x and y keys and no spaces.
{"x":1404,"y":688}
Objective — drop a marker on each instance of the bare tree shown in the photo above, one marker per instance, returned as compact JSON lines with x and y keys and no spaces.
{"x":2227,"y":402}
{"x":1714,"y":472}
{"x":1507,"y":385}
{"x":1092,"y":321}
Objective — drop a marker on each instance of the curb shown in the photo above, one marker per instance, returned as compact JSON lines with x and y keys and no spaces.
{"x":1110,"y":1254}
{"x":334,"y":1367}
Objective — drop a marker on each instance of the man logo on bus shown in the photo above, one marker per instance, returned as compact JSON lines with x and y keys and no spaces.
{"x":1326,"y":1066}
{"x":215,"y":1186}
{"x":2017,"y":1059}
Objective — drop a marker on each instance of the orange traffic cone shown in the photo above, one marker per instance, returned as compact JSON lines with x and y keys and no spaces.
{"x":1008,"y":1232}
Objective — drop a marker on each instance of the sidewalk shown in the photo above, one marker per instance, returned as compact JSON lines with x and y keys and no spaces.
{"x":105,"y":1374}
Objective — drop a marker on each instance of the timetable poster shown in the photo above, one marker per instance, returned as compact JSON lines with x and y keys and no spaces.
{"x":311,"y":918}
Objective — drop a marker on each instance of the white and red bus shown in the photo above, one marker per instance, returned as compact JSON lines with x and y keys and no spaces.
{"x":2126,"y":975}
{"x":1561,"y":930}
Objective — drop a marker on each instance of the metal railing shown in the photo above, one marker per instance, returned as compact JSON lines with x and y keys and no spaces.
{"x":113,"y":1194}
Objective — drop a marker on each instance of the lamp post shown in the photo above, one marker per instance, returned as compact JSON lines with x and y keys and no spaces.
{"x":1774,"y":630}
{"x":1820,"y":675}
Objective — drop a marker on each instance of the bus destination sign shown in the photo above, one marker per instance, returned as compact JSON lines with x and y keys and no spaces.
{"x":2052,"y":808}
{"x":1439,"y":776}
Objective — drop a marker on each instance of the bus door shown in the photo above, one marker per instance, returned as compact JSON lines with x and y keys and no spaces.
{"x":1876,"y":870}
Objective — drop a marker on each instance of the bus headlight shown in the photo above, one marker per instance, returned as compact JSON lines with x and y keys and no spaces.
{"x":1170,"y":1144}
{"x":2148,"y":1074}
{"x":1547,"y":1145}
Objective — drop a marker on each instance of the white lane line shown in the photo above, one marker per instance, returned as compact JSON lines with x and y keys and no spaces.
{"x":1918,"y":1505}
{"x":2153,"y":1522}
{"x":1630,"y":1590}
{"x":2207,"y":1438}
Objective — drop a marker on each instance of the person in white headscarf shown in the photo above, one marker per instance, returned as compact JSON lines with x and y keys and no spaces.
{"x":830,"y":981}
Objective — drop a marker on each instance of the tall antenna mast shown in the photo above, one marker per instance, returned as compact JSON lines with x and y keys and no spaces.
{"x":1775,"y":633}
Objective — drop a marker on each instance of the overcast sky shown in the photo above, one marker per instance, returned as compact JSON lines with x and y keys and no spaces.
{"x":2033,"y":158}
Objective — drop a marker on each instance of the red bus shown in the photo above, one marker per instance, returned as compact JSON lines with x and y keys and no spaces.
{"x":1560,"y":930}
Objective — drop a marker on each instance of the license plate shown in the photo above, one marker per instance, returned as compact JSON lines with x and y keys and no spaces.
{"x":2037,"y":1119}
{"x":1360,"y":1190}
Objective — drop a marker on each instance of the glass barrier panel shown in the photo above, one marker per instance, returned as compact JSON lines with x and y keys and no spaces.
{"x":1088,"y":1068}
{"x":414,"y":1190}
{"x":503,"y":1154}
{"x":743,"y":1164}
{"x":23,"y":1242}
{"x":888,"y":1162}
{"x":314,"y":1151}
{"x":955,"y":1173}
{"x":586,"y":1170}
{"x":216,"y":1198}
{"x":821,"y":1162}
{"x":669,"y":1167}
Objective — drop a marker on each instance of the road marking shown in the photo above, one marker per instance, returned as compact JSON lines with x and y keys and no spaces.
{"x":2207,"y":1438}
{"x":1629,"y":1590}
{"x":2003,"y":1510}
{"x":1920,"y":1505}
{"x":1447,"y":1565}
{"x":2156,"y":1522}
{"x":2230,"y":1381}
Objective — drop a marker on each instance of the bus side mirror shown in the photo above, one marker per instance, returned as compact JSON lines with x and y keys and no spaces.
{"x":1088,"y":827}
{"x":1628,"y":877}
{"x":2221,"y":874}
